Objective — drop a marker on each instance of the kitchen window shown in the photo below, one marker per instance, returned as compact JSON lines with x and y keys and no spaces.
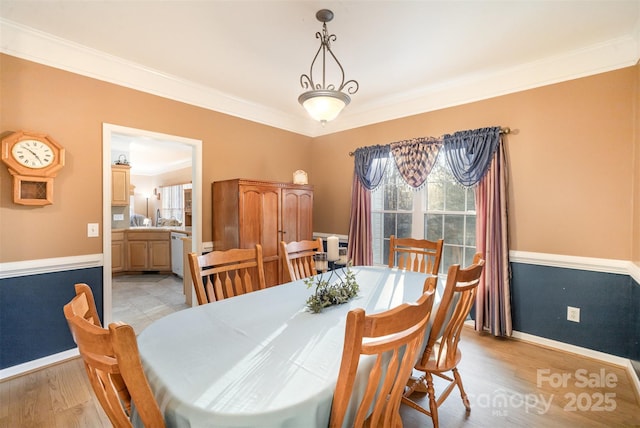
{"x":172,"y":198}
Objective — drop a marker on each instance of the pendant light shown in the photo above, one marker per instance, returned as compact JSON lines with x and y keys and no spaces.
{"x":324,"y":101}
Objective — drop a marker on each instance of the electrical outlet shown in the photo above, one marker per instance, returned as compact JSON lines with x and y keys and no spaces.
{"x":573,"y":314}
{"x":92,"y":230}
{"x":118,"y":217}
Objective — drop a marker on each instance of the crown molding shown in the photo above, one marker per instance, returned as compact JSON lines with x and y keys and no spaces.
{"x":612,"y":55}
{"x":27,"y":43}
{"x":43,"y":48}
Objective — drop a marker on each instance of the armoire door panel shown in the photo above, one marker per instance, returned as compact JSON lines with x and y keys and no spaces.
{"x":270,"y":223}
{"x":250,"y":217}
{"x":297,"y":210}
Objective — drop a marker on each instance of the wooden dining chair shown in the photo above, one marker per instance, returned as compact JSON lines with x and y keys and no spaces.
{"x":85,"y":306}
{"x":113,"y":365}
{"x":418,"y":255}
{"x":393,"y":339}
{"x":442,"y":354}
{"x":222,"y":274}
{"x":298,"y":258}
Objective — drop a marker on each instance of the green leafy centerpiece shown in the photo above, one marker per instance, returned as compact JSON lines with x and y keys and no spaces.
{"x":329,"y":291}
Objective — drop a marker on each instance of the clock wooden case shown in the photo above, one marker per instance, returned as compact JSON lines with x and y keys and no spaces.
{"x":33,"y":160}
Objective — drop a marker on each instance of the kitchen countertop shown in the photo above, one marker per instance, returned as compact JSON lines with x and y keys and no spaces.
{"x":181,"y":229}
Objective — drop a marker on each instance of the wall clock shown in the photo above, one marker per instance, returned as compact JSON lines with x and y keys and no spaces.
{"x":33,"y":160}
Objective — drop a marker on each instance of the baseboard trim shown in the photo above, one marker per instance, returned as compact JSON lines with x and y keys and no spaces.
{"x":573,"y":349}
{"x":30,"y":366}
{"x":633,"y":375}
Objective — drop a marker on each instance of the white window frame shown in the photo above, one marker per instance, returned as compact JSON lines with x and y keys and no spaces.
{"x":419,"y":212}
{"x":168,"y":208}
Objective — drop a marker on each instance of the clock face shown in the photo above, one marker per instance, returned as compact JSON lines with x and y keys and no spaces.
{"x":33,"y":154}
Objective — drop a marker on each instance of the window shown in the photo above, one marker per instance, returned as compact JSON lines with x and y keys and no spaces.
{"x":441,"y":209}
{"x":172,"y":198}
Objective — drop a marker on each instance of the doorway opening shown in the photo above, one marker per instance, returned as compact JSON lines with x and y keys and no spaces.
{"x":111,"y":134}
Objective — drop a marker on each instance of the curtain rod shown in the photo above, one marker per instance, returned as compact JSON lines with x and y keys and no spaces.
{"x":504,"y":131}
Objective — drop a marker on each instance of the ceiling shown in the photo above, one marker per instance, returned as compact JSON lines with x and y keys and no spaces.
{"x":150,"y":156}
{"x":245,"y":58}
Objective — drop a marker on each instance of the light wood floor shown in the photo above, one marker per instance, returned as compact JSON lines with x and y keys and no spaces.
{"x":506,"y":380}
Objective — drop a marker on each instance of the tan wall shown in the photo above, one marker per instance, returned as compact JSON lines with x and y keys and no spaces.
{"x":570,"y":161}
{"x":72,"y":109}
{"x":180,"y":176}
{"x":570,"y":158}
{"x":144,"y":186}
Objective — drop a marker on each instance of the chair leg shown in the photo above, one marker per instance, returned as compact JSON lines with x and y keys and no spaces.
{"x":414,"y":405}
{"x":463,"y":394}
{"x":433,"y":405}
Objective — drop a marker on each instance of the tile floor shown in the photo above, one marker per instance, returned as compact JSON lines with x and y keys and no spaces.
{"x":139,"y":300}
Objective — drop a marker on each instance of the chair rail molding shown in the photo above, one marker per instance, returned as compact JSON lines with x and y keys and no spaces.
{"x":623,"y":267}
{"x":57,"y":264}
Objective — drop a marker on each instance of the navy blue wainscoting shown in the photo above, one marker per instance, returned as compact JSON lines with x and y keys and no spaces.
{"x":32,"y":323}
{"x":609,"y":307}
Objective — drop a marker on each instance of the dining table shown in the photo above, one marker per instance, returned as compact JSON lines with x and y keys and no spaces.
{"x":263,"y":359}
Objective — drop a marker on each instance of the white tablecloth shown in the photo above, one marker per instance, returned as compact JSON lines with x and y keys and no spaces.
{"x":260,"y":359}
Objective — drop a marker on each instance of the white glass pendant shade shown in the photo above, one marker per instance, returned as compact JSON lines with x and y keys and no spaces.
{"x":324,"y":105}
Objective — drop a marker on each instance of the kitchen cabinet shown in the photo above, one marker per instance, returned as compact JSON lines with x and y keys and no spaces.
{"x":117,"y":251}
{"x":120,"y":183}
{"x":249,"y":212}
{"x":148,"y":251}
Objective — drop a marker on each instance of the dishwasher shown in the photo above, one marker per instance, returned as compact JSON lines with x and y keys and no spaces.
{"x":177,"y":243}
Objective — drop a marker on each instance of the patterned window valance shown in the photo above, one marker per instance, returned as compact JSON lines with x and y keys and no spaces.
{"x":415,"y":159}
{"x":467,"y":153}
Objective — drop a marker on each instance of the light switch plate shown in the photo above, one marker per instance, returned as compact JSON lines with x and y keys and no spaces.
{"x":92,"y":230}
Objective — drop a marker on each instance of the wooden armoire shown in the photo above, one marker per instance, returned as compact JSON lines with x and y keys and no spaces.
{"x":249,"y":212}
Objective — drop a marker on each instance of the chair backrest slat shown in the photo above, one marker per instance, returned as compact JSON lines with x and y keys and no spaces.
{"x":418,"y":255}
{"x":112,"y":362}
{"x":222,"y":274}
{"x":298,"y":258}
{"x":394,"y":339}
{"x":457,"y":299}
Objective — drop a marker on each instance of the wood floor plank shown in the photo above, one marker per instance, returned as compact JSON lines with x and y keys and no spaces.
{"x":30,"y":405}
{"x":67,"y":387}
{"x":82,"y":415}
